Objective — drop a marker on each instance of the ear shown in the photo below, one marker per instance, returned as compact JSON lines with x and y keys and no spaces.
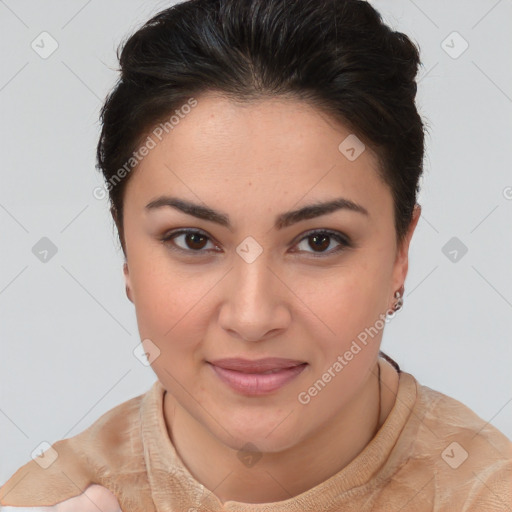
{"x":402,"y":256}
{"x":126,"y":273}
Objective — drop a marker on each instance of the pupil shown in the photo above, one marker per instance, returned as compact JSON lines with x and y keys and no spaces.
{"x":324,"y":238}
{"x":194,"y":238}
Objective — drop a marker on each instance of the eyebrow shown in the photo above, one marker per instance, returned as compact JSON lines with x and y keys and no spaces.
{"x":283,"y":220}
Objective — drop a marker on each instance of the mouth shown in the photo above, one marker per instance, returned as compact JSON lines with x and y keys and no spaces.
{"x":257,"y":377}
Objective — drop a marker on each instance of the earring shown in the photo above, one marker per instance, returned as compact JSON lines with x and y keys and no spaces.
{"x":400,"y":301}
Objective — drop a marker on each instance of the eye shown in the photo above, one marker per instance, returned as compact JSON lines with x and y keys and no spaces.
{"x":320,"y":240}
{"x":192,"y":241}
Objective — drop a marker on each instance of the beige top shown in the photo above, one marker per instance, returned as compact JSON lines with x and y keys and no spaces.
{"x":431,"y":454}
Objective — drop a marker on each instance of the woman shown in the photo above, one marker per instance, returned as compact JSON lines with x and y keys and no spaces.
{"x":262,"y":159}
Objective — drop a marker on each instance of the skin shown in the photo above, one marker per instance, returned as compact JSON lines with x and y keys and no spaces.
{"x":253,"y":162}
{"x":95,"y":498}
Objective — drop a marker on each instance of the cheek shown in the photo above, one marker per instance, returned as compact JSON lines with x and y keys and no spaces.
{"x":157,"y":304}
{"x":170,"y":306}
{"x":346,"y":301}
{"x":161,"y":294}
{"x":167,"y":317}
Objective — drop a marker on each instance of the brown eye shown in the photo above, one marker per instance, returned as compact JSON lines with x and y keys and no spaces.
{"x":320,"y":241}
{"x":195,"y":241}
{"x":190,"y":241}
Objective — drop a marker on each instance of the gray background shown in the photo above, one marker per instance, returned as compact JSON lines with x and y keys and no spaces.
{"x":67,"y":330}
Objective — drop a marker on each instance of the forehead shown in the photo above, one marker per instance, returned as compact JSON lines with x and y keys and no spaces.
{"x":271,"y":152}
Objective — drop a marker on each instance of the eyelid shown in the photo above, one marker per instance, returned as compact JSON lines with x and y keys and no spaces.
{"x":342,"y":239}
{"x":169,"y":235}
{"x":331,"y":232}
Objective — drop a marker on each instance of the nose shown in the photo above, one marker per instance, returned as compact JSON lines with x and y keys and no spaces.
{"x":254,"y":304}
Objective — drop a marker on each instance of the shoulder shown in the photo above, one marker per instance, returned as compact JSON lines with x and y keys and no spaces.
{"x":448,"y":417}
{"x":468,"y":461}
{"x":94,"y":498}
{"x":97,"y":455}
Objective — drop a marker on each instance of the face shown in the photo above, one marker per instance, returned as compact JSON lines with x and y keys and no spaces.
{"x":250,"y":282}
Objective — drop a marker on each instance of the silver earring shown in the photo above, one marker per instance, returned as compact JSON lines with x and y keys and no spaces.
{"x":400,"y":301}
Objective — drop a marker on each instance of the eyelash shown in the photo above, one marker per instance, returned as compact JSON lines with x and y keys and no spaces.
{"x":341,"y":239}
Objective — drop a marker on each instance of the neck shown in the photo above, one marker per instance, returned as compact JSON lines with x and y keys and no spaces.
{"x":278,"y":475}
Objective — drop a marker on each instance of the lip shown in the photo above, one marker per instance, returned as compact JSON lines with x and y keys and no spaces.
{"x":255,"y":365}
{"x":247,"y":376}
